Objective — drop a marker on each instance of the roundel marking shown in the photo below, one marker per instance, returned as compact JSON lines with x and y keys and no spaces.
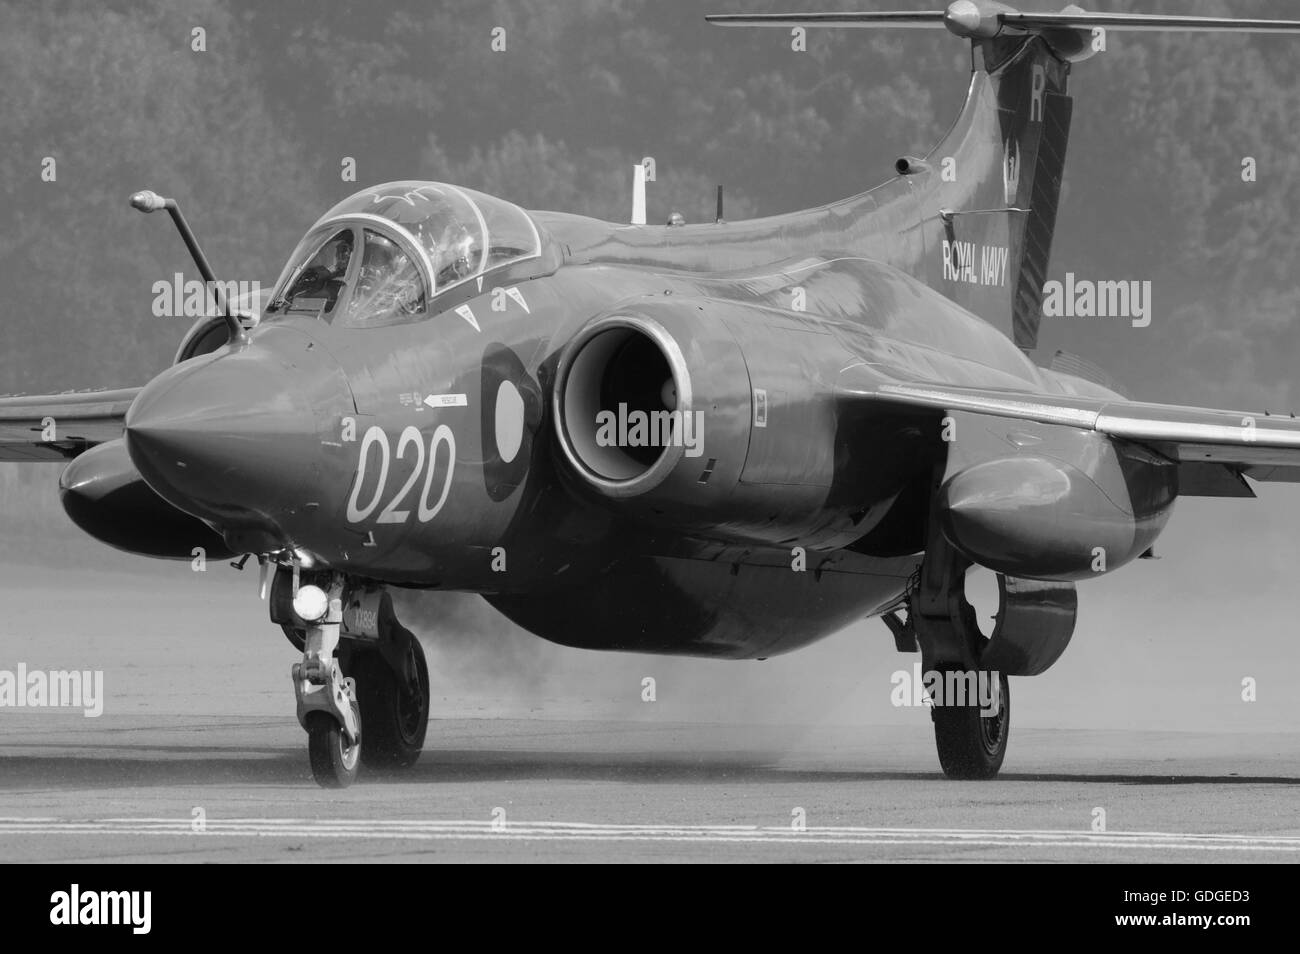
{"x":510,"y":409}
{"x":509,"y":421}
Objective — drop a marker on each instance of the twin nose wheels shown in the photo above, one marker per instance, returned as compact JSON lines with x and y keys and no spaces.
{"x":391,"y":705}
{"x":362,"y":686}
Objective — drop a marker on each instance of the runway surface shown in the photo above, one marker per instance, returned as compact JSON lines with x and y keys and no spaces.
{"x":539,"y":790}
{"x":555,"y":756}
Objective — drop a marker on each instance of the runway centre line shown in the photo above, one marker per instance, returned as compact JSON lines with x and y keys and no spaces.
{"x":464,"y":830}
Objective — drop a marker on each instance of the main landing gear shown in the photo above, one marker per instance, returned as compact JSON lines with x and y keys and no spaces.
{"x":362,"y":686}
{"x":965,"y":670}
{"x":972,"y":700}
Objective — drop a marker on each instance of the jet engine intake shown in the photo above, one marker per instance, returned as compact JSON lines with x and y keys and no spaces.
{"x":706,"y":416}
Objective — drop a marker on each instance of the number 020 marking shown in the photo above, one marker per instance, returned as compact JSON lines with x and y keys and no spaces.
{"x":410,"y":436}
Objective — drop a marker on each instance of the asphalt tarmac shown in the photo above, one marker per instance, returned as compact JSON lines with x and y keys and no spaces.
{"x":197,"y":757}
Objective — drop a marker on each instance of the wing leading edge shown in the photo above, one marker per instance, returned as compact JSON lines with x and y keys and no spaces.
{"x":52,"y":427}
{"x":1214,"y":448}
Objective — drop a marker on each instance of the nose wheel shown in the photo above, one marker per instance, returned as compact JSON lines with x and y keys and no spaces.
{"x":376,"y":677}
{"x":334,"y":758}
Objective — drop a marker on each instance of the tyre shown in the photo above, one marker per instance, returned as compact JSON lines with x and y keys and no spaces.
{"x":394,"y":711}
{"x":334,"y":763}
{"x":972,"y":745}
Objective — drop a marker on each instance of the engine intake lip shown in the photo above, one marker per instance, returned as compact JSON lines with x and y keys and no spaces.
{"x":576,"y":396}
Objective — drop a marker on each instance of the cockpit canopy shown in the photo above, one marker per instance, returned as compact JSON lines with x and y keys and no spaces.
{"x":383,"y":255}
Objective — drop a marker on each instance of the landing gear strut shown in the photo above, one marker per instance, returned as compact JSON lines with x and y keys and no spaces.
{"x":327,"y":700}
{"x":971,"y":725}
{"x":362,"y":686}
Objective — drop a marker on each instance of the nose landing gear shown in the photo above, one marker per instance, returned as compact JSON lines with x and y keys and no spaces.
{"x":362,"y":686}
{"x":327,"y":700}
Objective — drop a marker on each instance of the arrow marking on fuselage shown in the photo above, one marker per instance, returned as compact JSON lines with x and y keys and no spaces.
{"x":447,"y":400}
{"x":468,"y":314}
{"x":518,"y":296}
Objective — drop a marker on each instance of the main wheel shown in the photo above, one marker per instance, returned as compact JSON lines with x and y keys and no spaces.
{"x":972,"y":745}
{"x":334,"y":763}
{"x":394,"y":709}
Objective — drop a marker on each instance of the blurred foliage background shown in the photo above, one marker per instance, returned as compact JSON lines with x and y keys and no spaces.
{"x":250,"y":135}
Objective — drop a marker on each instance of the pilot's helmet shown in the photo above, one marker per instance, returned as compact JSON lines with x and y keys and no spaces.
{"x":381,"y":251}
{"x":455,"y":238}
{"x":334,"y":255}
{"x":455,"y":249}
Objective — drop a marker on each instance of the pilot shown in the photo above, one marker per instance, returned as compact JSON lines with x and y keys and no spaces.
{"x":387,"y":280}
{"x":379,"y":256}
{"x":323,"y":278}
{"x":455,"y":253}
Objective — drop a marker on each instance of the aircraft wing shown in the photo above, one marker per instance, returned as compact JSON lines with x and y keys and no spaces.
{"x":60,"y":426}
{"x":1213,"y":448}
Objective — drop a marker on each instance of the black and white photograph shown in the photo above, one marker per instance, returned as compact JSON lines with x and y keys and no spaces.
{"x":651,"y":431}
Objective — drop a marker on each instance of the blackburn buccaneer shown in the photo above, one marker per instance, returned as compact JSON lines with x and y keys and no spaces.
{"x":725,"y":440}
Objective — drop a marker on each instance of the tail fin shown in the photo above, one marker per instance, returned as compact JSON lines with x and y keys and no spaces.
{"x":989,"y":191}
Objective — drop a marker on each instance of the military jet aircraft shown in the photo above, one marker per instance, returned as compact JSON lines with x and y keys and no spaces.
{"x":727,"y":439}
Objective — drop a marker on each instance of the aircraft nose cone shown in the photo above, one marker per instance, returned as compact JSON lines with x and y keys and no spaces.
{"x":231,"y":440}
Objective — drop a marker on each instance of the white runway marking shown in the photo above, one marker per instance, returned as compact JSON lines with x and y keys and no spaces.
{"x":413,"y":830}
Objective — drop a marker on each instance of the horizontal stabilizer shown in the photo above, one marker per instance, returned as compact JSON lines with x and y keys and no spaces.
{"x":985,"y":19}
{"x":1144,"y":22}
{"x":896,"y":18}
